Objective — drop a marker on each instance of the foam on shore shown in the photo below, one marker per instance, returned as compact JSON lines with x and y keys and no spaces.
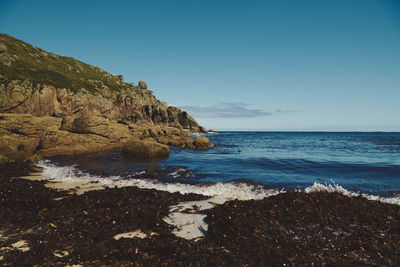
{"x":188,"y":222}
{"x":72,"y":175}
{"x":335,"y":188}
{"x":241,"y":191}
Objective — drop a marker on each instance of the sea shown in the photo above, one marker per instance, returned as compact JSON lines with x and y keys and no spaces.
{"x":248,"y":165}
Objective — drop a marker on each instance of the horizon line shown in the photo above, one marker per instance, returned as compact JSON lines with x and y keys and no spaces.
{"x":306,"y":131}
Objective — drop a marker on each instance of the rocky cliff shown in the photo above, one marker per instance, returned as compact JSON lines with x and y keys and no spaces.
{"x":76,"y":108}
{"x":45,"y":84}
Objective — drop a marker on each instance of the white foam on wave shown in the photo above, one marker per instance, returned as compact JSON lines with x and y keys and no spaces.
{"x":240,"y":191}
{"x":335,"y":188}
{"x":197,"y":134}
{"x":181,"y":172}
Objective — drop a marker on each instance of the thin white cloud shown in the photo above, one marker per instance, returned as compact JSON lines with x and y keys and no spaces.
{"x":225,"y":110}
{"x":285,"y":111}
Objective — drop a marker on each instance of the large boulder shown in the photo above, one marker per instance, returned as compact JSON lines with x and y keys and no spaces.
{"x":112,"y":130}
{"x":173,"y":140}
{"x":60,"y":142}
{"x":145,"y":149}
{"x":202,"y":142}
{"x":20,"y":133}
{"x":142,"y":84}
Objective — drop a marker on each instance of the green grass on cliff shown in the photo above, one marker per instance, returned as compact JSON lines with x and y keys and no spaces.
{"x":41,"y":67}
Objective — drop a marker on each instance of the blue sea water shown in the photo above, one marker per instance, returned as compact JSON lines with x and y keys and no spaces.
{"x":358,"y":161}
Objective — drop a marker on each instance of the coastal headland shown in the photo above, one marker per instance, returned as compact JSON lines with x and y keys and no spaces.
{"x":54,"y":105}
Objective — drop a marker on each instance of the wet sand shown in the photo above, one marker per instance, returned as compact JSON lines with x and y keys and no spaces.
{"x":43,"y":226}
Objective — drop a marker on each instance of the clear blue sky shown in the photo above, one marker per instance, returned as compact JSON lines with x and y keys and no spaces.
{"x":265,"y":65}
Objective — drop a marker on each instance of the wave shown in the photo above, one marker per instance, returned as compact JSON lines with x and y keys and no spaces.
{"x":335,"y":188}
{"x":231,"y":191}
{"x":240,"y":191}
{"x":181,"y":172}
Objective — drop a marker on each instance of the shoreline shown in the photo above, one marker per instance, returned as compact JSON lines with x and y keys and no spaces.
{"x":54,"y":227}
{"x":188,"y":223}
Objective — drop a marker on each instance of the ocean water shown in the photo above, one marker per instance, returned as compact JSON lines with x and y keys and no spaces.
{"x":358,"y":162}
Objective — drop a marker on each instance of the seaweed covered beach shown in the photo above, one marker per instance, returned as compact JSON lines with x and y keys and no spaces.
{"x":45,"y":227}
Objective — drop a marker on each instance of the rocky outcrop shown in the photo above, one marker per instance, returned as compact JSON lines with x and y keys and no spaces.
{"x":44,"y":84}
{"x":145,"y":149}
{"x":113,"y":131}
{"x":84,"y":134}
{"x":202,"y":142}
{"x":20,"y":134}
{"x":23,"y":135}
{"x":59,"y":142}
{"x":142,"y":85}
{"x":52,"y":105}
{"x":184,"y":140}
{"x":125,"y":105}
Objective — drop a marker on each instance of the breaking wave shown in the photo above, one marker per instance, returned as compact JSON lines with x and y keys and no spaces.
{"x":335,"y":188}
{"x":240,"y":191}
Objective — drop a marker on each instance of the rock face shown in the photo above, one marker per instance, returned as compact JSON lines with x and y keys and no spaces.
{"x":20,"y":134}
{"x":54,"y":105}
{"x":145,"y":149}
{"x":128,"y":104}
{"x":44,"y":84}
{"x":23,"y":135}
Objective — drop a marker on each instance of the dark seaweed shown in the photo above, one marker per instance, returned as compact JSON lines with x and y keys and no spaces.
{"x":292,"y":228}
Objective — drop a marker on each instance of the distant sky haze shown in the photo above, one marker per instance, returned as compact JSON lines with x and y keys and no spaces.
{"x":237,"y":65}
